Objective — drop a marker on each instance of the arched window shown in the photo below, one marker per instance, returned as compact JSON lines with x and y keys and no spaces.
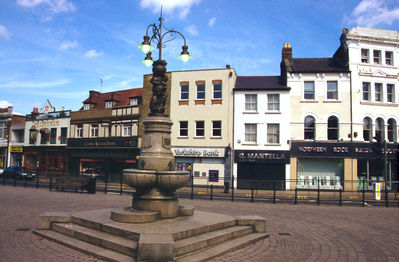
{"x":367,"y":129}
{"x":310,"y":127}
{"x":332,"y":128}
{"x":379,"y":129}
{"x":391,"y":130}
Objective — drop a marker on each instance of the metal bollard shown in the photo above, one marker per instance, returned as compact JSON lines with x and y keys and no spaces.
{"x":121,"y":189}
{"x":51,"y":183}
{"x":274,"y":191}
{"x":296,"y":196}
{"x":340,"y":196}
{"x":37,"y":181}
{"x":232,"y":188}
{"x":192,"y":188}
{"x":318,"y":193}
{"x":252,"y":194}
{"x":211,"y":193}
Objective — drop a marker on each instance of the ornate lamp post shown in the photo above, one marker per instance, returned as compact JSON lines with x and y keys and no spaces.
{"x":155,"y":180}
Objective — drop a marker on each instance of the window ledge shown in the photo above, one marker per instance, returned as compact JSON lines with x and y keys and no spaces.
{"x":273,"y":112}
{"x":332,"y":101}
{"x":183,"y":102}
{"x":216,"y":137}
{"x":273,"y":144}
{"x":250,"y":112}
{"x":200,"y":102}
{"x":217,"y":101}
{"x":369,"y":103}
{"x":182,"y":137}
{"x":309,"y":101}
{"x":250,"y":144}
{"x":199,"y":137}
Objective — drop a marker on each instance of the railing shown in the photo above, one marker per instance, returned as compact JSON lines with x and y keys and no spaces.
{"x":347,"y":193}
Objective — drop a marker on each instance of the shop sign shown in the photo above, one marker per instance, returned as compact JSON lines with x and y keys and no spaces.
{"x":46,"y":123}
{"x":343,"y":149}
{"x":16,"y":149}
{"x":198,"y":152}
{"x":132,"y":142}
{"x":377,"y":191}
{"x":262,"y":156}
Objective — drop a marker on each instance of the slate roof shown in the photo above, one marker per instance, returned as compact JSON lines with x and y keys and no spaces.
{"x":259,"y":83}
{"x":122,"y":97}
{"x":316,"y":65}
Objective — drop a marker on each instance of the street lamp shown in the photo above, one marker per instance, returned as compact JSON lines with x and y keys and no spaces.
{"x":156,"y":179}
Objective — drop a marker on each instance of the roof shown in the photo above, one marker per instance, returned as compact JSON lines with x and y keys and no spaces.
{"x":316,"y":65}
{"x":259,"y":83}
{"x":122,"y":97}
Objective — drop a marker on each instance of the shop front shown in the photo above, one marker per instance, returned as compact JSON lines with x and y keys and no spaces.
{"x":49,"y":161}
{"x":262,"y":169}
{"x":206,"y":165}
{"x":105,"y":157}
{"x":341,"y":165}
{"x":16,"y":155}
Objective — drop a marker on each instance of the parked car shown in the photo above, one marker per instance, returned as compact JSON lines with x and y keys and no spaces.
{"x":18,"y":173}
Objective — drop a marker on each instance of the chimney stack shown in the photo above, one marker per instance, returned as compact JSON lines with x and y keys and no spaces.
{"x":287,"y":52}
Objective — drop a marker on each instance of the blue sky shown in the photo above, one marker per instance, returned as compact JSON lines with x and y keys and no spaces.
{"x":59,"y":49}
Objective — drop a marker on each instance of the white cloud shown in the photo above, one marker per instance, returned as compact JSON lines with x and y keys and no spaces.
{"x":372,"y":13}
{"x":68,"y":44}
{"x":212,"y":21}
{"x":55,"y":6}
{"x":92,"y":54}
{"x":4,"y":32}
{"x":181,"y":6}
{"x":191,"y":29}
{"x":33,"y":84}
{"x":4,"y":104}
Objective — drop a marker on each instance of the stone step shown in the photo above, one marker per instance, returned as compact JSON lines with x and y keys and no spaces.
{"x":224,"y":248}
{"x":84,"y":247}
{"x":103,"y":226}
{"x":209,"y":239}
{"x":203,"y":229}
{"x":102,"y":239}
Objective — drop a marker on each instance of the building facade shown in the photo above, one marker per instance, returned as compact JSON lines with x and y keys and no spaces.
{"x":202,"y":113}
{"x":261,"y":132}
{"x":343,"y":108}
{"x":104,"y":136}
{"x":16,"y":141}
{"x":45,"y":140}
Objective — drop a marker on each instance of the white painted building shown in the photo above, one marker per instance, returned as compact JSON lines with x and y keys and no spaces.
{"x":201,"y":108}
{"x":261,"y":132}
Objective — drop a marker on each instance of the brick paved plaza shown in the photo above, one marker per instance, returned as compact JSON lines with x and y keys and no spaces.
{"x":297,"y":233}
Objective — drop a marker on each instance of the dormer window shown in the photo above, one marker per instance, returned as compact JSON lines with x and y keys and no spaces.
{"x":108,"y":104}
{"x":134,"y":101}
{"x":86,"y":107}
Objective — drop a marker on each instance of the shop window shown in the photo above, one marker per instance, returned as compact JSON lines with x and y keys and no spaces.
{"x":391,"y":130}
{"x":273,"y":102}
{"x":367,"y":129}
{"x":273,"y":133}
{"x":64,"y":131}
{"x":332,"y":90}
{"x":251,"y":103}
{"x":183,"y":128}
{"x":79,"y":130}
{"x":310,"y":127}
{"x":378,"y":92}
{"x":184,"y":91}
{"x":309,"y":92}
{"x":216,"y":128}
{"x":53,"y":136}
{"x":213,"y":175}
{"x":217,"y":90}
{"x":200,"y":128}
{"x":390,"y":93}
{"x":250,"y":133}
{"x":365,"y":56}
{"x":379,"y":129}
{"x":332,"y":128}
{"x":389,"y":58}
{"x":366,"y":91}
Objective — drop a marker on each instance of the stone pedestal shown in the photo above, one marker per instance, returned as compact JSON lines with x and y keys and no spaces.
{"x":156,"y":181}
